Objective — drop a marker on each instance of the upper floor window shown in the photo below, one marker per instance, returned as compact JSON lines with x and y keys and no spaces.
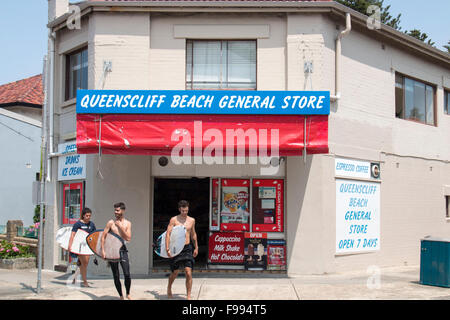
{"x":447,"y":101}
{"x":76,"y":72}
{"x":414,"y":100}
{"x":221,"y":64}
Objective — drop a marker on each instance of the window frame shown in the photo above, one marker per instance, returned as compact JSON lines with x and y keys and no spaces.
{"x":446,"y":101}
{"x":68,"y":57}
{"x":425,"y":83}
{"x":69,"y":186}
{"x":447,"y":207}
{"x":190,"y":87}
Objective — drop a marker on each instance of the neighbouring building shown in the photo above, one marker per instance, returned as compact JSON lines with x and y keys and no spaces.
{"x":352,"y":188}
{"x":20,"y":138}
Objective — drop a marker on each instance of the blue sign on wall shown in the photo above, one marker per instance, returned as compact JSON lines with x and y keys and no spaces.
{"x":203,"y":102}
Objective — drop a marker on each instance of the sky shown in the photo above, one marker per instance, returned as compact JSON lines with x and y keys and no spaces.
{"x":23,"y":31}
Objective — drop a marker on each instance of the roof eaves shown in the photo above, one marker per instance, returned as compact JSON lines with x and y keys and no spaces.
{"x":203,"y":4}
{"x":388,"y":32}
{"x":394,"y":35}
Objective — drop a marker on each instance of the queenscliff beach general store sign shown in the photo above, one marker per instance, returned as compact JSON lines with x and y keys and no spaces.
{"x":204,"y":102}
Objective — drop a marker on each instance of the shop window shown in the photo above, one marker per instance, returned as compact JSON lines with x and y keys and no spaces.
{"x":246,"y":228}
{"x":447,"y":207}
{"x":446,"y":101}
{"x":220,"y":64}
{"x":76,"y":72}
{"x":72,"y":202}
{"x":414,"y":100}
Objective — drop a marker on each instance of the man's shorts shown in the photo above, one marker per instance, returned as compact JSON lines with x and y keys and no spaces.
{"x":184,"y":259}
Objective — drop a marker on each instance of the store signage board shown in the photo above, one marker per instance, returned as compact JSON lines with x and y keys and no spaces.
{"x":71,"y":166}
{"x":226,"y":248}
{"x":276,"y":254}
{"x":255,"y":250}
{"x":235,"y":214}
{"x":268,"y":200}
{"x":357,"y":216}
{"x":352,"y":168}
{"x":203,"y":102}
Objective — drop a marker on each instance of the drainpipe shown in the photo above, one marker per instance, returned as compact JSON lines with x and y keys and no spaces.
{"x":51,"y":59}
{"x":337,"y":86}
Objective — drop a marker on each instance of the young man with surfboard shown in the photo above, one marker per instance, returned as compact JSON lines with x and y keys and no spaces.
{"x":186,"y":257}
{"x":121,"y":227}
{"x":87,"y":225}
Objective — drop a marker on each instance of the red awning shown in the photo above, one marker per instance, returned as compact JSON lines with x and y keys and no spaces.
{"x":159,"y":134}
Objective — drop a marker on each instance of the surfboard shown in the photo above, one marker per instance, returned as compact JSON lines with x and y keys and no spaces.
{"x":176,"y":243}
{"x":113,"y":243}
{"x":79,"y":245}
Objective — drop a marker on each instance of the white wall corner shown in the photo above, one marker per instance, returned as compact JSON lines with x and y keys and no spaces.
{"x":57,"y":8}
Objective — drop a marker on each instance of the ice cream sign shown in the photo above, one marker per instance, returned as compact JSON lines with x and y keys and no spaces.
{"x":71,"y":166}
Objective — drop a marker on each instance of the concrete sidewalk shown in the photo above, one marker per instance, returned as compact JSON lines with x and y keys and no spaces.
{"x":396,"y":283}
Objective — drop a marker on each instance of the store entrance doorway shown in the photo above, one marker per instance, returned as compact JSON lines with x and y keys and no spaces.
{"x":167,"y":193}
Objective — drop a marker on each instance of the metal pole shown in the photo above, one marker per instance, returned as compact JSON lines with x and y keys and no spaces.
{"x":304,"y":142}
{"x":42,"y":175}
{"x":41,"y":220}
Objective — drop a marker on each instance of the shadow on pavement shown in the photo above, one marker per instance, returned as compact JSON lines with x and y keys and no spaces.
{"x":94,"y":297}
{"x":165,"y":297}
{"x":27,"y":287}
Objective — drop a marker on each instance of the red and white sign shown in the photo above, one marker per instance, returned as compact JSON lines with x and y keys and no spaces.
{"x":214,"y":220}
{"x":255,"y":235}
{"x":234,"y":214}
{"x":268,"y":206}
{"x":226,"y":248}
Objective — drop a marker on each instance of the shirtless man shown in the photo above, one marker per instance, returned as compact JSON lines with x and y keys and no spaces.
{"x":121,"y":227}
{"x":186,"y":257}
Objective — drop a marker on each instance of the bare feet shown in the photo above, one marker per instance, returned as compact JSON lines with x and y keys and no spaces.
{"x":129,"y":297}
{"x":169,"y":293}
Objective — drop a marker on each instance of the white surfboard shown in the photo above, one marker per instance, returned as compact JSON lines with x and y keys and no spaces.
{"x":112,"y":245}
{"x":79,"y":244}
{"x":176,"y":243}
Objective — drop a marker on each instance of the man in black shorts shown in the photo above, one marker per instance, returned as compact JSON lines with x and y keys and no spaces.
{"x":185,"y":259}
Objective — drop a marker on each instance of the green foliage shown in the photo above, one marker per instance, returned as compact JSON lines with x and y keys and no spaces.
{"x":10,"y":250}
{"x":419,"y":35}
{"x":37,"y":214}
{"x":386,"y":17}
{"x":362,"y":5}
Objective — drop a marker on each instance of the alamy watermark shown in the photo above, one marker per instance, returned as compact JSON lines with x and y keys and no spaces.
{"x":374,"y":279}
{"x":74,"y":20}
{"x":374,"y":19}
{"x":212,"y":146}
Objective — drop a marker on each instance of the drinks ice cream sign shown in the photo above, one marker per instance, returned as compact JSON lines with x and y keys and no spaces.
{"x":71,"y":166}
